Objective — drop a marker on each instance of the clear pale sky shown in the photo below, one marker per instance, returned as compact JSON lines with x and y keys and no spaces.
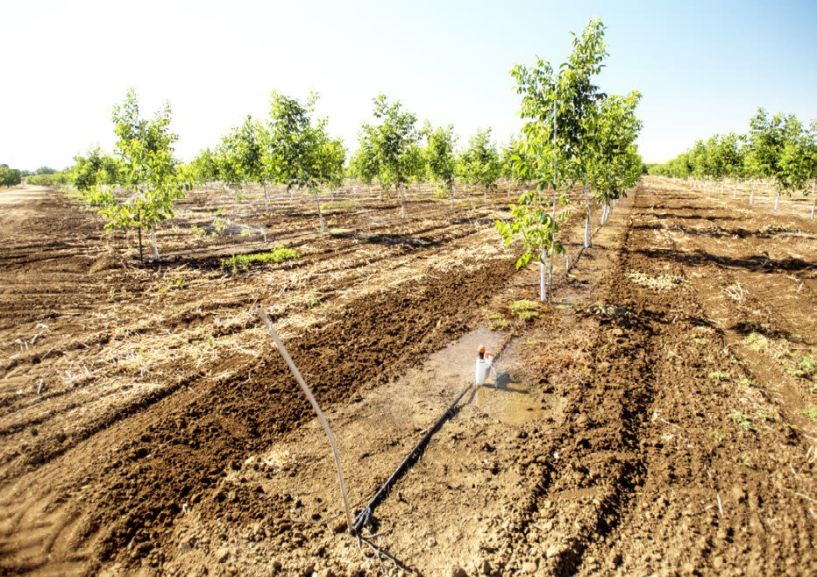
{"x":702,"y":66}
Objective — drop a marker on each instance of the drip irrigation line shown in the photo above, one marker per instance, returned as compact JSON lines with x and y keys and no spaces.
{"x":380,"y":552}
{"x":364,"y":518}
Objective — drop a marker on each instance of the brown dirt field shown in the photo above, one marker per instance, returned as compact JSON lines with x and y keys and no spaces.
{"x":650,"y":421}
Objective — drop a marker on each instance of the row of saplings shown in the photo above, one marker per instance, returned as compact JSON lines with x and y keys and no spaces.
{"x":574,"y":136}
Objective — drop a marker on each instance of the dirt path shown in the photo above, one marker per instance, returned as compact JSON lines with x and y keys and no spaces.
{"x":17,"y":203}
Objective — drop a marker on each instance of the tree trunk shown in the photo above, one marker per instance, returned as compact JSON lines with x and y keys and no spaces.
{"x":402,"y":202}
{"x":777,"y":202}
{"x":266,"y":197}
{"x":139,"y":233}
{"x":751,"y":195}
{"x":587,"y":241}
{"x":542,"y":285}
{"x":320,"y":214}
{"x":451,"y":194}
{"x":155,"y":244}
{"x":813,"y":206}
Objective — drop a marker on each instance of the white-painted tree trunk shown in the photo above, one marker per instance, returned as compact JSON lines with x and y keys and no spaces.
{"x":402,"y":203}
{"x":542,"y":284}
{"x":777,"y":202}
{"x":155,"y":244}
{"x":587,"y":240}
{"x":321,"y":220}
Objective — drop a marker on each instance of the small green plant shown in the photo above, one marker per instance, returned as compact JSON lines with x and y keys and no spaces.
{"x":219,"y":212}
{"x":777,"y":229}
{"x":441,"y":192}
{"x":525,"y":310}
{"x":243,"y":261}
{"x":770,"y":416}
{"x":804,"y":368}
{"x":246,"y":231}
{"x":811,"y":413}
{"x":660,"y":283}
{"x":741,"y":420}
{"x":336,"y":205}
{"x":311,"y":300}
{"x":700,"y":340}
{"x":197,"y":230}
{"x":497,"y":322}
{"x":719,"y":376}
{"x":756,"y":341}
{"x":745,"y":382}
{"x":219,"y":225}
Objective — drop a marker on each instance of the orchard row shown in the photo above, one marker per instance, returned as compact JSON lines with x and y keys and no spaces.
{"x":574,"y":136}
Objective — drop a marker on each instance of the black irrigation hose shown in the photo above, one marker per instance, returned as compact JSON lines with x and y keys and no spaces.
{"x":365,"y":516}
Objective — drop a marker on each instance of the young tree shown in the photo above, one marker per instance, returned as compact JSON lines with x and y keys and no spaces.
{"x":556,"y":106}
{"x":300,"y":151}
{"x":767,"y":138}
{"x":95,"y":169}
{"x":364,"y":165}
{"x":330,"y":167}
{"x":512,"y":160}
{"x":249,"y":142}
{"x":813,"y":163}
{"x":440,"y":158}
{"x":393,"y":139}
{"x":147,"y":171}
{"x":796,"y":157}
{"x":480,"y":162}
{"x":615,"y":164}
{"x":204,"y":167}
{"x":228,"y":161}
{"x":10,"y":176}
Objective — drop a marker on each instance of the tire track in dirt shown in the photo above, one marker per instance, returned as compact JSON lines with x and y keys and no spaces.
{"x":592,"y":464}
{"x":698,"y":511}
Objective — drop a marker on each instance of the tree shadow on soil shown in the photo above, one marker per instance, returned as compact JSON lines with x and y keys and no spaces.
{"x":755,"y":263}
{"x":665,"y":215}
{"x":719,"y":232}
{"x":402,"y":239}
{"x":745,"y":328}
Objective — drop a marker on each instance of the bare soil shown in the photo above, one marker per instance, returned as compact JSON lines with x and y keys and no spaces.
{"x":650,"y":421}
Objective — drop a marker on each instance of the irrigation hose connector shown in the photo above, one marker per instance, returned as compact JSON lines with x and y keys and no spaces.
{"x":324,"y":423}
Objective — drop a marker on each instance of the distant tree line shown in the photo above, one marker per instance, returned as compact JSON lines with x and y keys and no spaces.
{"x":10,"y":176}
{"x":779,"y":147}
